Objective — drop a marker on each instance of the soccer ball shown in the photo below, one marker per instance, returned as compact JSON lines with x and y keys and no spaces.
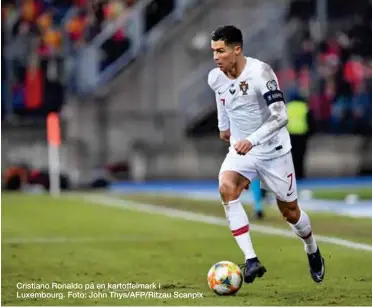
{"x":225,"y":278}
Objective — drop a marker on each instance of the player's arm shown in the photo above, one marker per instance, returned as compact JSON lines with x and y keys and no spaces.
{"x":223,"y":120}
{"x":278,"y":118}
{"x":269,"y":88}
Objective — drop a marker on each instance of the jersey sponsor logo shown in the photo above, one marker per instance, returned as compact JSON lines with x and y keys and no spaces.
{"x":272,"y":85}
{"x":244,"y":87}
{"x":222,"y":91}
{"x":290,"y":176}
{"x":232,"y":90}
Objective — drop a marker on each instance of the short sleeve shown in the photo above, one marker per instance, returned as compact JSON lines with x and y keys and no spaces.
{"x":212,"y":79}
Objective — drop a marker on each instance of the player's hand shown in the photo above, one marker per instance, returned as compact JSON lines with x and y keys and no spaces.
{"x":243,"y":146}
{"x":225,"y":135}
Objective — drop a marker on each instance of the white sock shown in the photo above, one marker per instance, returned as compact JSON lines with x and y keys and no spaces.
{"x":239,"y":225}
{"x":303,"y":229}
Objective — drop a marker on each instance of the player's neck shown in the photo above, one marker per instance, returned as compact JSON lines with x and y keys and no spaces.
{"x":238,"y":68}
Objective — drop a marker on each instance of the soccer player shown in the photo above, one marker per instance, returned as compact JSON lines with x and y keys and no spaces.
{"x":252,"y":117}
{"x":257,"y":198}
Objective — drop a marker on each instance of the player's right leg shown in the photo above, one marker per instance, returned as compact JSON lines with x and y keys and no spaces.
{"x":279,"y":176}
{"x":231,"y":184}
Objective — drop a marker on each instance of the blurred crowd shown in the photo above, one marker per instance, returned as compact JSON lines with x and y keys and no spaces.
{"x":334,"y":73}
{"x":39,"y":34}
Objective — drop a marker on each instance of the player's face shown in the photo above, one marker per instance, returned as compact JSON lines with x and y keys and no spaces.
{"x":225,"y":55}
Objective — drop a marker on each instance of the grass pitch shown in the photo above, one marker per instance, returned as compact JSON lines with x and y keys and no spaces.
{"x":364,"y":193}
{"x":64,"y":241}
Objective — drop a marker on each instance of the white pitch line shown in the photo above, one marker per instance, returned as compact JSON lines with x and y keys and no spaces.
{"x":197,"y":217}
{"x":72,"y":240}
{"x":61,"y":240}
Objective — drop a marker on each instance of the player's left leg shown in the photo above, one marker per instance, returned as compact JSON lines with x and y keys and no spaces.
{"x":279,"y":177}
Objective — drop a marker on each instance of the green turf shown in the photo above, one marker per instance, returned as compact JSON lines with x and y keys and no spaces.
{"x":340,"y":194}
{"x":357,"y":229}
{"x":150,"y":248}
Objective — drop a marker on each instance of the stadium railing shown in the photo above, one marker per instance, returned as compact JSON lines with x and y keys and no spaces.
{"x":89,"y":75}
{"x":87,"y":60}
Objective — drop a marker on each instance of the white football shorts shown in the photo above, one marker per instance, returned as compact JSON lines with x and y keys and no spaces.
{"x":277,"y":175}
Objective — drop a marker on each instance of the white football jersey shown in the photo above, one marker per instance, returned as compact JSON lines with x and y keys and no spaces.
{"x":242,"y":106}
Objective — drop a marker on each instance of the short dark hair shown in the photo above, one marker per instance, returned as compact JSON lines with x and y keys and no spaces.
{"x":231,"y":35}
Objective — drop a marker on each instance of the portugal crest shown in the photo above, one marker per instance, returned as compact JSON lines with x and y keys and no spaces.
{"x":243,"y":87}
